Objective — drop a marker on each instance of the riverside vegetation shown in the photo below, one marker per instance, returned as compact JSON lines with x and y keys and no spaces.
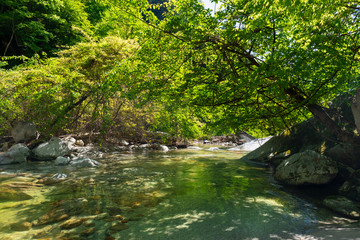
{"x":164,"y":72}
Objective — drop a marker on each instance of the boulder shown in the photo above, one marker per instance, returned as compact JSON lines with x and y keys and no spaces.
{"x":81,"y":162}
{"x":343,"y":206}
{"x":61,"y":161}
{"x":301,"y":137}
{"x":70,"y":141}
{"x":348,"y":154}
{"x":51,"y":150}
{"x":351,"y":187}
{"x":16,"y":154}
{"x":24,"y":132}
{"x":307,"y":135}
{"x":307,"y":167}
{"x":351,"y":190}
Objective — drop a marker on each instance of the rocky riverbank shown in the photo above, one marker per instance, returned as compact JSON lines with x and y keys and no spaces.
{"x":309,"y":154}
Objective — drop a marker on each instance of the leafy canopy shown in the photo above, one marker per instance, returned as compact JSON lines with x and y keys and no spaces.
{"x":254,"y":63}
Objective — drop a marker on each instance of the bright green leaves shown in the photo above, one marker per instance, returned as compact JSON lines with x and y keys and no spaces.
{"x":245,"y":59}
{"x":63,"y":92}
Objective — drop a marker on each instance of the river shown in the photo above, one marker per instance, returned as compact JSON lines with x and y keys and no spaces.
{"x":183,"y":194}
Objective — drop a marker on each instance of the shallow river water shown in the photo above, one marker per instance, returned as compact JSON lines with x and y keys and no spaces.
{"x":182,"y":194}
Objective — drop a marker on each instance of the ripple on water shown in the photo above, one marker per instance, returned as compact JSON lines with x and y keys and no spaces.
{"x":190,"y":194}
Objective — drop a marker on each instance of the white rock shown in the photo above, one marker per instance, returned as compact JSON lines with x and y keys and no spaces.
{"x":164,"y":148}
{"x":213,"y":149}
{"x":59,"y":176}
{"x":80,"y":143}
{"x":84,"y":162}
{"x":51,"y":150}
{"x":123,"y":142}
{"x":194,"y":148}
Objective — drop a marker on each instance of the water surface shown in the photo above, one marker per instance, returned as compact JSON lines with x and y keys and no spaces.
{"x":183,"y":194}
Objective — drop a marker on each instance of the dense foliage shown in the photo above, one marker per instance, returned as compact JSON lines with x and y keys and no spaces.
{"x":251,"y":65}
{"x":34,"y":26}
{"x":261,"y":63}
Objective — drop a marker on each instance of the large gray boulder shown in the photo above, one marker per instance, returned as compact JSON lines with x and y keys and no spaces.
{"x":24,"y":132}
{"x":16,"y":154}
{"x":50,"y":150}
{"x":305,"y":168}
{"x":348,"y":154}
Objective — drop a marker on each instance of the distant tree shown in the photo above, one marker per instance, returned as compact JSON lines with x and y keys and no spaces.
{"x":34,"y":26}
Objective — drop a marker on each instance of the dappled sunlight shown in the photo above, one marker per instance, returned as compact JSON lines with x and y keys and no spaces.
{"x":265,"y":201}
{"x":177,"y":195}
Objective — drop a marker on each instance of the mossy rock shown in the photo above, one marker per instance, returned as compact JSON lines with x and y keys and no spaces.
{"x":343,"y":206}
{"x":9,"y":194}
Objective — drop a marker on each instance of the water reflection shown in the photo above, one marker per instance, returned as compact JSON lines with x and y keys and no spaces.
{"x":178,"y":195}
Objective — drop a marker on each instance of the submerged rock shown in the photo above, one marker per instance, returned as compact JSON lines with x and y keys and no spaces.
{"x":194,"y":148}
{"x":343,"y":206}
{"x":9,"y":194}
{"x":118,"y":226}
{"x":81,"y":162}
{"x":72,"y":223}
{"x":16,"y":154}
{"x":56,"y":178}
{"x":53,"y":216}
{"x":59,"y":176}
{"x":21,"y":226}
{"x":213,"y":149}
{"x":87,"y":232}
{"x":307,"y":167}
{"x":51,"y":150}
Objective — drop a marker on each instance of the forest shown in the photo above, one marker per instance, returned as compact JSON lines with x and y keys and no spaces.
{"x":125,"y":69}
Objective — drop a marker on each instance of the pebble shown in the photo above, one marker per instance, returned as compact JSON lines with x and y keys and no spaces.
{"x":21,"y":226}
{"x":118,"y":226}
{"x":72,"y":223}
{"x":88,"y":232}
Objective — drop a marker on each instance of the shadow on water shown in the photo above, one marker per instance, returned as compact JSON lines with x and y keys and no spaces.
{"x":177,"y":195}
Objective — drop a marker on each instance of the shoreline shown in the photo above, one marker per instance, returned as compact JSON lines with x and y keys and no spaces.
{"x":338,"y":229}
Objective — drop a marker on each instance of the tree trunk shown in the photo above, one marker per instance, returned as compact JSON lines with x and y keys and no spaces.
{"x":342,"y":134}
{"x":355,"y":108}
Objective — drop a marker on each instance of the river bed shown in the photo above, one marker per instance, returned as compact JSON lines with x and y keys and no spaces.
{"x":183,"y":194}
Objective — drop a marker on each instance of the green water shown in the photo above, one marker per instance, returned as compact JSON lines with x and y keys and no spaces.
{"x":183,"y":194}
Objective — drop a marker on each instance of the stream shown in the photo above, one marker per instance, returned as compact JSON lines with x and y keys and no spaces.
{"x":181,"y":194}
